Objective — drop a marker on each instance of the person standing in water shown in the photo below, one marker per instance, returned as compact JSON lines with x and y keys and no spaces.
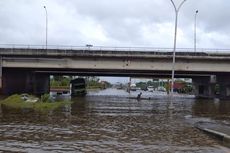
{"x":139,"y":96}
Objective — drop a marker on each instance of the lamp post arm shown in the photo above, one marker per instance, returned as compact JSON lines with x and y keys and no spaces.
{"x":177,"y":9}
{"x":181,"y":5}
{"x":174,"y":5}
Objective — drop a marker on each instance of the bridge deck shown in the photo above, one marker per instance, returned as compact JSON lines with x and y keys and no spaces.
{"x":111,"y":53}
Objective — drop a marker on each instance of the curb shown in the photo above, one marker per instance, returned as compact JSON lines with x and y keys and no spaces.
{"x":224,"y":137}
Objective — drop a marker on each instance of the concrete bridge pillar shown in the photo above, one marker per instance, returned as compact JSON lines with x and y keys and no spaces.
{"x":204,"y":87}
{"x":16,"y":81}
{"x":224,"y":86}
{"x":41,"y":84}
{"x":0,"y":73}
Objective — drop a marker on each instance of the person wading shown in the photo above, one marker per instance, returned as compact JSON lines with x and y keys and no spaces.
{"x":139,"y":96}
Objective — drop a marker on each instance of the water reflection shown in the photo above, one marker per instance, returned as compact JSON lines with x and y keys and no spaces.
{"x":212,"y":109}
{"x":1,"y":111}
{"x":113,"y":121}
{"x":80,"y":106}
{"x":119,"y":102}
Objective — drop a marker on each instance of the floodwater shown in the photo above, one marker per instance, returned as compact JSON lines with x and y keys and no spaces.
{"x":114,"y":121}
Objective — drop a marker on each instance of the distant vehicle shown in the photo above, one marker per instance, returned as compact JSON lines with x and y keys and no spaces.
{"x":78,"y":87}
{"x":150,"y":88}
{"x":118,"y":86}
{"x":133,"y":87}
{"x":144,"y":88}
{"x":161,"y":89}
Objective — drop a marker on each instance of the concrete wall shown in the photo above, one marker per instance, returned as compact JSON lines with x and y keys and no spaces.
{"x":158,"y":63}
{"x":186,"y":62}
{"x":41,"y":84}
{"x":224,"y":85}
{"x":204,"y":87}
{"x":16,"y":81}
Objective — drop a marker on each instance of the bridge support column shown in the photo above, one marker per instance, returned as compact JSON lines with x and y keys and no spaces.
{"x":16,"y":81}
{"x":41,"y":84}
{"x":204,"y":87}
{"x":0,"y":73}
{"x":224,"y":86}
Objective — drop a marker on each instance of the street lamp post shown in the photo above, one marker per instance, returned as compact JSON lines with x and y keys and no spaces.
{"x":174,"y":50}
{"x":46,"y":26}
{"x":195,"y":31}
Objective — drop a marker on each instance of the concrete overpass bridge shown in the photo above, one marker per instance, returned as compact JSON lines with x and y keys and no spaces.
{"x":27,"y":68}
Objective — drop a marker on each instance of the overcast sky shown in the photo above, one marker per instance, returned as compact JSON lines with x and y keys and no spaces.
{"x":115,"y":22}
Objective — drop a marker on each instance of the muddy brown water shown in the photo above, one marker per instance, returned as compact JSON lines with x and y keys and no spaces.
{"x":110,"y":121}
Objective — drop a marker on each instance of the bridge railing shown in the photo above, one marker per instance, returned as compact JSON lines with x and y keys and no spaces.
{"x":109,"y":48}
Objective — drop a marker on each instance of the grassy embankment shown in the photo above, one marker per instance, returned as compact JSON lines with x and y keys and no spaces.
{"x":42,"y":105}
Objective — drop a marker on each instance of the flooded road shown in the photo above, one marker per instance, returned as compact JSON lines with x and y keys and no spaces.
{"x":114,"y":121}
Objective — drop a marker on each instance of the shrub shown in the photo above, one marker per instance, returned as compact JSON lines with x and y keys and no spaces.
{"x":45,"y":98}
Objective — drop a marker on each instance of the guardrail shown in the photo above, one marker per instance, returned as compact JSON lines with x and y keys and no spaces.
{"x":109,"y":48}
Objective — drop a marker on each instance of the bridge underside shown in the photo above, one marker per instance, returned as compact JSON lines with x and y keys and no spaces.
{"x":119,"y":73}
{"x":37,"y":81}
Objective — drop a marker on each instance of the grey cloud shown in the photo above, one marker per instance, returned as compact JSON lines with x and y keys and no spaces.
{"x":114,"y":22}
{"x":120,"y":9}
{"x":213,"y":15}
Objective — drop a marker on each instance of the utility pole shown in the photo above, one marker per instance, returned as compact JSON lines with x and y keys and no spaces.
{"x":174,"y":50}
{"x":195,"y":31}
{"x":46,"y":26}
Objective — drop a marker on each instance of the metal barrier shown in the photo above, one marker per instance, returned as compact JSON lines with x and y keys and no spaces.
{"x":109,"y":48}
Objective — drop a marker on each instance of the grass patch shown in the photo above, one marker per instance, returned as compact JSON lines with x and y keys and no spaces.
{"x":16,"y":102}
